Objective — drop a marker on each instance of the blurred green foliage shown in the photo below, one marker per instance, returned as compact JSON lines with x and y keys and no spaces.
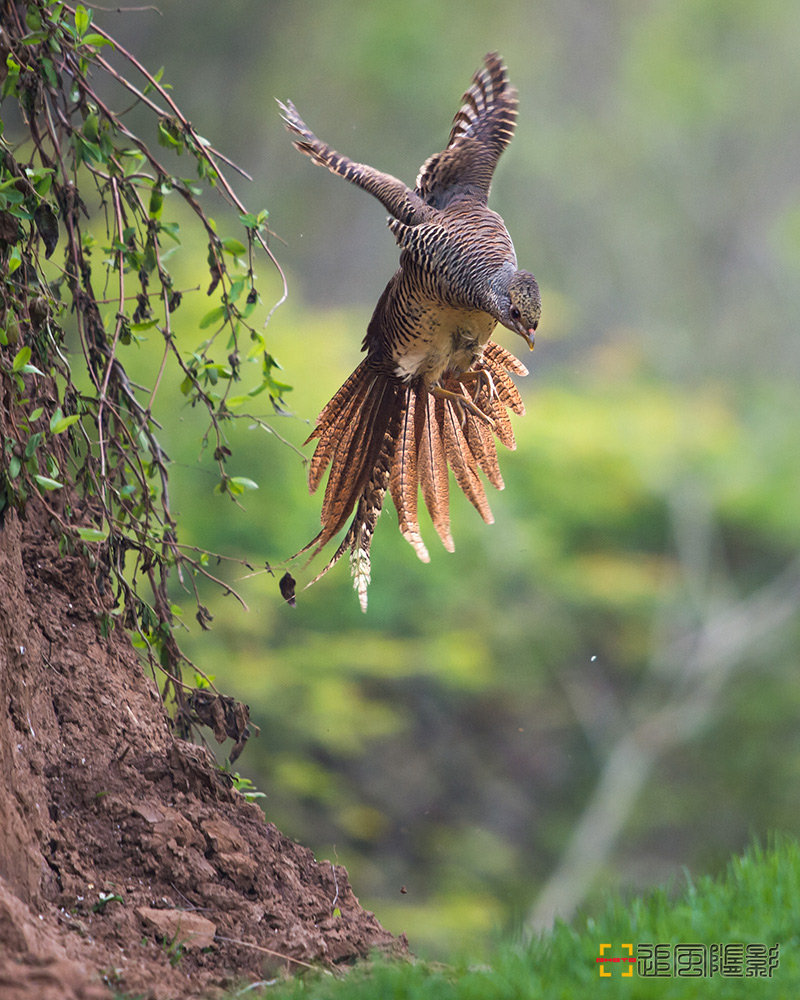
{"x":443,"y":746}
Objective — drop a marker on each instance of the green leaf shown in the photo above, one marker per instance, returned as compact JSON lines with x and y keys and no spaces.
{"x":83,"y":18}
{"x":169,"y":134}
{"x":91,"y":126}
{"x":87,"y":150}
{"x":234,"y":247}
{"x":156,"y":79}
{"x":243,"y":483}
{"x":156,"y":202}
{"x":171,"y":229}
{"x":21,"y":359}
{"x":259,"y":343}
{"x":33,"y":18}
{"x":233,"y":401}
{"x":94,"y":39}
{"x":42,"y":179}
{"x":212,"y":317}
{"x":92,"y":534}
{"x":278,"y":387}
{"x":59,"y":426}
{"x":48,"y":484}
{"x":12,"y":78}
{"x":32,"y":444}
{"x":49,"y":71}
{"x":11,"y":196}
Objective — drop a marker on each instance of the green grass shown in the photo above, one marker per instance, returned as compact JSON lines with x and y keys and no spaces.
{"x":757,"y":900}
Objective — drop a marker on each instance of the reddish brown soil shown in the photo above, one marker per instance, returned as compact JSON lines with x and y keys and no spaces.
{"x":98,"y":799}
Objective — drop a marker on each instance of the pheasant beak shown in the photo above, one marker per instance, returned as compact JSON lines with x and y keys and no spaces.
{"x":527,"y":334}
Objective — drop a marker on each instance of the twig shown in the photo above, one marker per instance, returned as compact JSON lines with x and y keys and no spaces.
{"x":266,"y":951}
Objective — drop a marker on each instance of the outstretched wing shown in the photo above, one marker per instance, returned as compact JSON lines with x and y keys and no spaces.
{"x":482,"y":128}
{"x":399,"y":200}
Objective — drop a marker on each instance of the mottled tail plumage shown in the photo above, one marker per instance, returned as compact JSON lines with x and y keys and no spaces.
{"x":379,"y":434}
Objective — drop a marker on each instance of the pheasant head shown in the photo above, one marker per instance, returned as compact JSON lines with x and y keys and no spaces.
{"x":521,"y":305}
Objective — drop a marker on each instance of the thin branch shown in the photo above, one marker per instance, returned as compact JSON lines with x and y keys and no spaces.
{"x":115,"y":339}
{"x":264,"y":951}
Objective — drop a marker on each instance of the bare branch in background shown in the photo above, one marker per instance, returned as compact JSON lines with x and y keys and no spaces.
{"x":696,"y":667}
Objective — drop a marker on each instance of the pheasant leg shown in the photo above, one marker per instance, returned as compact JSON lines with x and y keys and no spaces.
{"x":481,"y":378}
{"x":464,"y":402}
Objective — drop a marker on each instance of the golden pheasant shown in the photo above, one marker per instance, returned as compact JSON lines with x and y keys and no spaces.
{"x":434,"y":389}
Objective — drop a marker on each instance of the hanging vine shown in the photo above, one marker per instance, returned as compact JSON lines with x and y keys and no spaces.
{"x":77,"y":433}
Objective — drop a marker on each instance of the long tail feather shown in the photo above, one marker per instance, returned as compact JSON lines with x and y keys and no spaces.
{"x":404,"y":478}
{"x":481,"y":441}
{"x":504,"y":386}
{"x":350,"y":433}
{"x":334,"y":419}
{"x":462,"y":461}
{"x":356,"y":456}
{"x":432,"y":466}
{"x":359,"y":535}
{"x":497,"y":356}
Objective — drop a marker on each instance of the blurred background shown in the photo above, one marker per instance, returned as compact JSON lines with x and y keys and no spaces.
{"x":601,"y":689}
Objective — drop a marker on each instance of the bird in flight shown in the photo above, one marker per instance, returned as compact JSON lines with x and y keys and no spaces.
{"x":434,"y":390}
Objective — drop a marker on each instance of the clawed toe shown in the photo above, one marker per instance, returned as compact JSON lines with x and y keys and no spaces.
{"x":465,"y":404}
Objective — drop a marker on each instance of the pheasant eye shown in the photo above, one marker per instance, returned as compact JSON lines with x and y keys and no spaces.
{"x":515,"y":313}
